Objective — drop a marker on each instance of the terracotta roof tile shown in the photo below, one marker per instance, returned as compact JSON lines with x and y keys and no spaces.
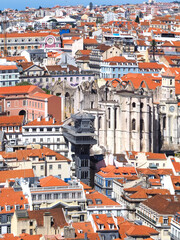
{"x":104,"y":200}
{"x":52,"y":181}
{"x":11,"y":120}
{"x":10,"y":197}
{"x":25,"y":173}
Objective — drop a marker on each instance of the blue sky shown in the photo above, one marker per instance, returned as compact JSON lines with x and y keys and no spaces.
{"x":21,"y":4}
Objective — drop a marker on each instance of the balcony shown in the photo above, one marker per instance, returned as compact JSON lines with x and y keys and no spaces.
{"x":46,"y":189}
{"x":173,"y":237}
{"x":146,"y":217}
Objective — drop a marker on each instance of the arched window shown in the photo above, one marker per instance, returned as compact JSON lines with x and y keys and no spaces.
{"x":115,"y":118}
{"x":133,"y":104}
{"x":109,"y":116}
{"x":171,"y":93}
{"x":141,"y":125}
{"x":164,"y":122}
{"x":99,"y":122}
{"x":133,"y":124}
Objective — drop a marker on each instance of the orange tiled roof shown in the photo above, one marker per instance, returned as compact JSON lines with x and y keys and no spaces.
{"x":52,"y":181}
{"x":149,"y":155}
{"x":113,"y":172}
{"x":86,"y":187}
{"x":8,"y":67}
{"x":90,"y":41}
{"x":17,"y":89}
{"x":38,"y":215}
{"x":11,"y":120}
{"x":176,"y":182}
{"x":23,"y":236}
{"x":81,"y":228}
{"x":9,"y":197}
{"x":29,"y":34}
{"x":150,"y":65}
{"x":16,"y":59}
{"x":155,"y":172}
{"x":21,"y":155}
{"x":43,"y":122}
{"x":85,"y":52}
{"x":25,"y":173}
{"x":103,"y":219}
{"x":176,"y":165}
{"x":105,"y":201}
{"x":42,"y":95}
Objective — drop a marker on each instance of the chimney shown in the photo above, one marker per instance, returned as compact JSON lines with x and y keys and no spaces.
{"x":39,"y":119}
{"x":47,"y":119}
{"x":69,"y":232}
{"x":47,"y":221}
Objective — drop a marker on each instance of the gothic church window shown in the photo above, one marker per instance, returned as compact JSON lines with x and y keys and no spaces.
{"x":133,"y":104}
{"x":141,"y":125}
{"x":133,"y":124}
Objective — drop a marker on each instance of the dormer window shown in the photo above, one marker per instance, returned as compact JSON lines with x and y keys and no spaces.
{"x":90,"y":202}
{"x":8,"y":208}
{"x":80,"y":231}
{"x":98,"y":201}
{"x":101,"y":226}
{"x":17,"y":207}
{"x":111,"y":226}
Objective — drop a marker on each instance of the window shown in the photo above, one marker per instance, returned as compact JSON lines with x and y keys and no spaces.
{"x":24,"y":102}
{"x":23,"y":231}
{"x":8,"y":104}
{"x":164,"y":122}
{"x":34,"y":167}
{"x":99,"y":123}
{"x":170,"y":81}
{"x":31,"y":231}
{"x":8,"y":229}
{"x":8,"y":218}
{"x":165,"y":221}
{"x":141,"y":105}
{"x":171,"y":93}
{"x":17,"y":207}
{"x":17,"y":128}
{"x":50,"y":167}
{"x":109,"y":116}
{"x":133,"y":124}
{"x":141,"y":125}
{"x":31,"y":223}
{"x":41,"y":140}
{"x":42,"y":167}
{"x":133,"y":104}
{"x":39,"y":197}
{"x":8,"y":208}
{"x":59,"y":166}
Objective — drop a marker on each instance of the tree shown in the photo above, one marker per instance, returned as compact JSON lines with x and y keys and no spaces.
{"x":23,"y":84}
{"x":141,"y":14}
{"x":137,"y":19}
{"x":153,"y":47}
{"x":46,"y":90}
{"x":90,"y":6}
